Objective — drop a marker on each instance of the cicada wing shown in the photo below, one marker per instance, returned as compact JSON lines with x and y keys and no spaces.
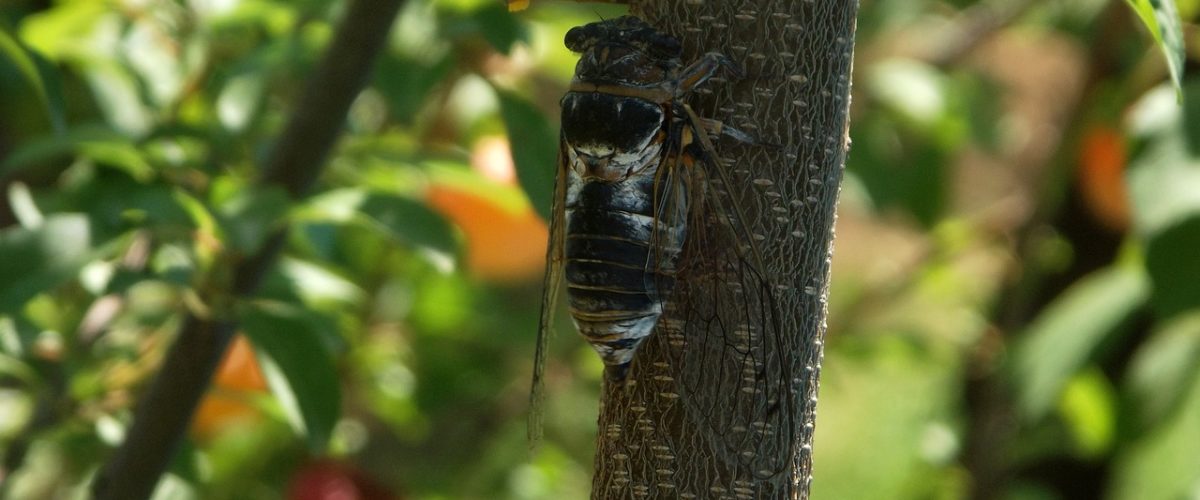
{"x":551,"y":286}
{"x":728,"y":319}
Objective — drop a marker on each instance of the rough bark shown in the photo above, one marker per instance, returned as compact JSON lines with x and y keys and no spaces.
{"x":665,"y":435}
{"x":163,"y":414}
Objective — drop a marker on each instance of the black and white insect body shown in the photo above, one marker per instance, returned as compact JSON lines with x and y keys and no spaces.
{"x":625,"y":203}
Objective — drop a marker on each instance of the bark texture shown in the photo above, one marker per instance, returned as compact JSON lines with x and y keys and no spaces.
{"x":722,"y":398}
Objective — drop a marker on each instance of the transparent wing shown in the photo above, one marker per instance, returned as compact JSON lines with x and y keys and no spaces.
{"x":724,"y":319}
{"x":550,"y":291}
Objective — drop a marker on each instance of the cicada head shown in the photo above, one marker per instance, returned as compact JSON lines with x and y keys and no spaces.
{"x":624,"y":51}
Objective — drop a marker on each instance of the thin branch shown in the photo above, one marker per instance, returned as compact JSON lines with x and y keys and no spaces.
{"x":294,"y":164}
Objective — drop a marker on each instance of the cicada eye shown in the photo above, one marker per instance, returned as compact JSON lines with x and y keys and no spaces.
{"x":578,"y":38}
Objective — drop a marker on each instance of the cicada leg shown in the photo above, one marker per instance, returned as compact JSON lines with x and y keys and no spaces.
{"x":704,"y":68}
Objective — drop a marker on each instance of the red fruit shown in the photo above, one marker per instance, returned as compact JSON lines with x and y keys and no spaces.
{"x":330,"y":480}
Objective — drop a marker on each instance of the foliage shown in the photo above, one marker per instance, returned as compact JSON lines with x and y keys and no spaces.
{"x":1014,"y":302}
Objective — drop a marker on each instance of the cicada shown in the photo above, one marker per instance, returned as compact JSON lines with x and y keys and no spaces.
{"x":638,"y":185}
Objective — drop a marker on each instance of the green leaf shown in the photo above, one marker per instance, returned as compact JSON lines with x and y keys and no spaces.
{"x":500,"y":28}
{"x":395,"y":217}
{"x":1162,"y":19}
{"x":406,"y":82}
{"x":1088,"y":408}
{"x":298,"y":367}
{"x":251,"y":214}
{"x":38,"y":75}
{"x":102,"y":145}
{"x":1162,"y":373}
{"x":408,"y":221}
{"x":1162,"y":184}
{"x":1162,"y":463}
{"x":1171,"y":260}
{"x":1066,"y":335}
{"x":36,"y":259}
{"x":534,"y":149}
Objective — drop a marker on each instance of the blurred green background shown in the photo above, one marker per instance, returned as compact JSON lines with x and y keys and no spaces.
{"x":1016,"y":271}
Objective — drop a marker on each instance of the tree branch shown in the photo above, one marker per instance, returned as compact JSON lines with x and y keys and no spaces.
{"x":722,"y":397}
{"x":294,"y":164}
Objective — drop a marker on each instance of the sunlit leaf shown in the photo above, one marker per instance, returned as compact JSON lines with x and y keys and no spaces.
{"x":1163,"y":372}
{"x":1162,"y":462}
{"x":316,"y":284}
{"x":1162,"y":184}
{"x":1088,"y":407}
{"x":1068,"y":332}
{"x":298,"y":367}
{"x":35,"y":259}
{"x":1162,"y":19}
{"x":534,"y":150}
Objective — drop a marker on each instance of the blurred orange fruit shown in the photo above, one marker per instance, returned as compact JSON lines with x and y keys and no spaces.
{"x":1102,"y":158}
{"x":237,"y":378}
{"x":503,"y":244}
{"x":506,"y":240}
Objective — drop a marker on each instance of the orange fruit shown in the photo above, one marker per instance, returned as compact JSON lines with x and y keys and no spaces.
{"x":503,"y":244}
{"x":1101,"y":175}
{"x":238,"y":378}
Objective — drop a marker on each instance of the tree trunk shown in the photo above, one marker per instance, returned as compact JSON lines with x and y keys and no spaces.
{"x":724,"y":407}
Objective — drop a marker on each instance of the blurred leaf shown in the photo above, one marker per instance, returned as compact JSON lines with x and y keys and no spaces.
{"x":499,"y":28}
{"x":316,"y":285}
{"x":1171,"y":259}
{"x":1088,"y":407}
{"x":409,"y":221}
{"x":1162,"y":373}
{"x":867,"y":376}
{"x":63,"y":29}
{"x":298,"y":367}
{"x":38,"y":75}
{"x":240,"y":100}
{"x":397,"y":218}
{"x":1191,"y":115}
{"x":100,"y":144}
{"x":36,"y":259}
{"x":1163,"y":462}
{"x":534,"y":149}
{"x":1162,"y":184}
{"x":489,"y":20}
{"x":251,"y":214}
{"x":916,"y":185}
{"x":407,"y":81}
{"x":1068,"y":332}
{"x":1162,"y":19}
{"x":914,"y":90}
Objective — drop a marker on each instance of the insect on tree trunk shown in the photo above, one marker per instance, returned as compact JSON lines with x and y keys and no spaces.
{"x":733,"y":436}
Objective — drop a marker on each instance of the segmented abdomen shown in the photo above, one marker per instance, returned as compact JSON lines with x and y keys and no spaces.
{"x":620,"y":260}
